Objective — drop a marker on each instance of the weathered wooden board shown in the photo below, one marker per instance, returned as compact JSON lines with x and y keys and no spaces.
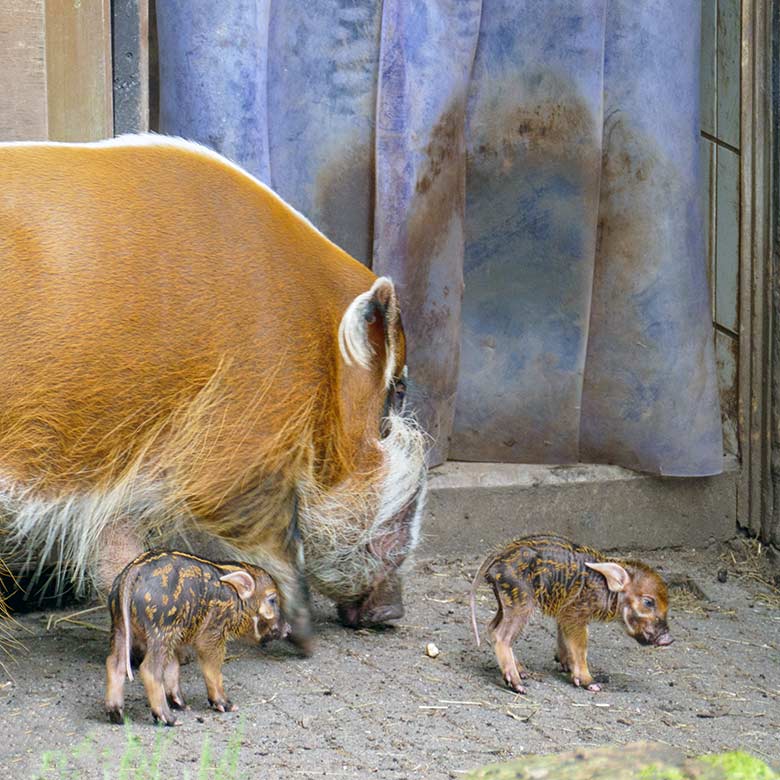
{"x":78,"y":69}
{"x":708,"y":64}
{"x":22,"y":71}
{"x":726,"y":355}
{"x":727,"y":240}
{"x":728,"y":71}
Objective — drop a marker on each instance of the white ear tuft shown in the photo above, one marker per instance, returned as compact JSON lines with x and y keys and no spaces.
{"x":242,"y":581}
{"x":354,"y":344}
{"x":353,"y":340}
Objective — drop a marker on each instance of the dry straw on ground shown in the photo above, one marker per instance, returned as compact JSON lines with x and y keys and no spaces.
{"x":9,"y":644}
{"x":748,"y":560}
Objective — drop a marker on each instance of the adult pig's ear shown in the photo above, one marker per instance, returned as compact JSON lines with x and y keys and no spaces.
{"x":242,"y":581}
{"x":370,"y":330}
{"x":616,"y":576}
{"x":400,"y":536}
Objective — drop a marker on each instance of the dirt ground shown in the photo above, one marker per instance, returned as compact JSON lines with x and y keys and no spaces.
{"x":372,"y":704}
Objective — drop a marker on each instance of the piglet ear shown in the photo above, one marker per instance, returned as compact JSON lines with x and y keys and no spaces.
{"x":242,"y":581}
{"x":369,"y":330}
{"x":268,"y":607}
{"x":616,"y":576}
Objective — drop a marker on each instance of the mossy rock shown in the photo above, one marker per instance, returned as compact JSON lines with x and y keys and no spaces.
{"x":640,"y":761}
{"x":740,"y":766}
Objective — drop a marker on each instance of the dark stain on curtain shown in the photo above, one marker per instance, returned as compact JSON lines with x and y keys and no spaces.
{"x":528,"y":175}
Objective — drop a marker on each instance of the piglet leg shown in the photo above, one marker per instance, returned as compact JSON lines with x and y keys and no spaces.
{"x":152,"y":674}
{"x":115,"y":678}
{"x":575,"y":641}
{"x":172,"y":688}
{"x":514,"y":618}
{"x":562,"y":654}
{"x":211,"y":655}
{"x":285,"y":562}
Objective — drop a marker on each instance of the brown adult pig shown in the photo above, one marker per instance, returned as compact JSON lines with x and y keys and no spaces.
{"x":575,"y":585}
{"x":178,"y":342}
{"x":163,"y":601}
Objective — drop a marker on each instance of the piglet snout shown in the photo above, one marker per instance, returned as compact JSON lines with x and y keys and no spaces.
{"x":664,"y":640}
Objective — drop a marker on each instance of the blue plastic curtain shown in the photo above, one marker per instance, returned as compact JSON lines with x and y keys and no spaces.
{"x":525,"y":171}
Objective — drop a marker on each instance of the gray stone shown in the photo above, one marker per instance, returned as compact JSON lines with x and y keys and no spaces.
{"x":472,"y":506}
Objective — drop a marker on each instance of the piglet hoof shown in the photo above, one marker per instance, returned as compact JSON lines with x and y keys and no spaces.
{"x":563,"y":667}
{"x":594,"y":687}
{"x":116,"y":715}
{"x":168,"y":720}
{"x":523,"y":674}
{"x":224,"y":705}
{"x":516,"y":686}
{"x":177,"y":703}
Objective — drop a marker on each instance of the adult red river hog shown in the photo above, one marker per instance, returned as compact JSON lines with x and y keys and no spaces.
{"x":181,"y":349}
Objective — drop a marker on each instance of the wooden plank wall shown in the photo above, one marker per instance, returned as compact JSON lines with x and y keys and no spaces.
{"x":737,"y":46}
{"x":55,"y":70}
{"x":78,"y":69}
{"x":23,"y":111}
{"x":773,"y":530}
{"x":720,"y":142}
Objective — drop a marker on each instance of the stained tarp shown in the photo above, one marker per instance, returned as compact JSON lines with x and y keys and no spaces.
{"x":544,"y":154}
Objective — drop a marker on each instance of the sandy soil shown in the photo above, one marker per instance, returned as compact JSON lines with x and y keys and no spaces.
{"x":372,"y":704}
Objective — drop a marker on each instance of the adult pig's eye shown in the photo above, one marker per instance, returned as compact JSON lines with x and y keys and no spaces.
{"x":648,"y":602}
{"x":400,"y":393}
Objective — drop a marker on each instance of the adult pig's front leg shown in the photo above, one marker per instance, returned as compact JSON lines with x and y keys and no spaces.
{"x":285,"y":563}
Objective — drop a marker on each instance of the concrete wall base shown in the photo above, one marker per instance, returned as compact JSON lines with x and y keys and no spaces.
{"x":473,"y":506}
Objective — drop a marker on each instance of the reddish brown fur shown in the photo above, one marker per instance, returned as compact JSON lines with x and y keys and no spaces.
{"x":575,"y":585}
{"x":169,"y":353}
{"x":165,"y":601}
{"x":149,"y":331}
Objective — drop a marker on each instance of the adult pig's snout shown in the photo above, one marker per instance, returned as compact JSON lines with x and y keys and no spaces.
{"x":383,"y":604}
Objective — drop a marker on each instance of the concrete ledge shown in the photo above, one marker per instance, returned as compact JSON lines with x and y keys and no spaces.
{"x":472,"y":506}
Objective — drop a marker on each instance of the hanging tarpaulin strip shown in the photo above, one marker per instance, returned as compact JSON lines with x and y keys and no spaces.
{"x":650,"y":398}
{"x":534,"y":159}
{"x":427,"y":52}
{"x":584,"y":330}
{"x":213,"y":61}
{"x":323,"y":58}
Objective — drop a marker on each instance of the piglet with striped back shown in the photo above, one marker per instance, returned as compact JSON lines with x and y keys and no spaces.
{"x":164,"y":601}
{"x":575,"y":585}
